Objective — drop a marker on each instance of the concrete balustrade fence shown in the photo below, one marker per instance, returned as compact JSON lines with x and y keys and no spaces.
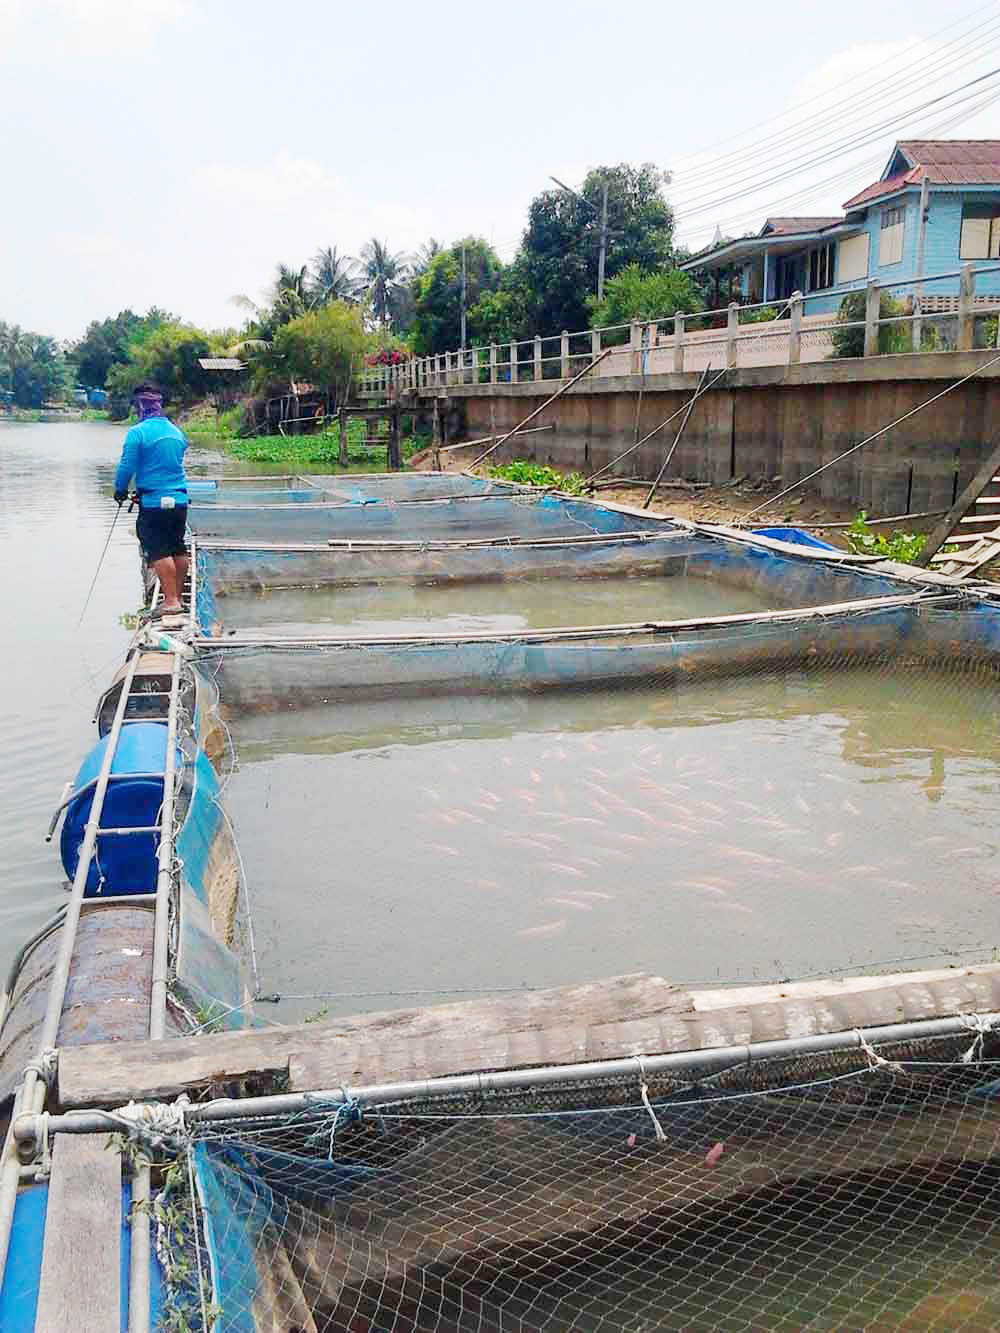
{"x":761,"y":334}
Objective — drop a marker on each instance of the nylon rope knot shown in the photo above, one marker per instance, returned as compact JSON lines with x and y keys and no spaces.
{"x":154,"y":1124}
{"x":44,"y":1065}
{"x":876,"y":1061}
{"x":982,"y":1028}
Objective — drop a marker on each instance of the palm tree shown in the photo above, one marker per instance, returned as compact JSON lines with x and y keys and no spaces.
{"x":384,"y":276}
{"x":427,"y":252}
{"x":333,"y":276}
{"x":15,"y":348}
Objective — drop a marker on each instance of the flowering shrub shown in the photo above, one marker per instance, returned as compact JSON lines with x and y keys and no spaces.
{"x":387,"y":356}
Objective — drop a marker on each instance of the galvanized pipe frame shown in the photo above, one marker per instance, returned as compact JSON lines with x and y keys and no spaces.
{"x":928,"y":595}
{"x":706,"y":1061}
{"x":30,"y":1095}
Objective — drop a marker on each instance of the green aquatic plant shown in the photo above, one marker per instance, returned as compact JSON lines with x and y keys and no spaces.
{"x":902,"y":546}
{"x":539,"y":474}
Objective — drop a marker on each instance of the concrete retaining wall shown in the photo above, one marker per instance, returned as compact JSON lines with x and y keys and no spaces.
{"x":766,"y":422}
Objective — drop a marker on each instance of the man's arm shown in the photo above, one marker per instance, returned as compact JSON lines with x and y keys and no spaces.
{"x":127,"y":465}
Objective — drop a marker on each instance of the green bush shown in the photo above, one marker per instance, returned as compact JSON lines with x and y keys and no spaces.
{"x":902,"y":546}
{"x":891,"y":337}
{"x":539,"y":474}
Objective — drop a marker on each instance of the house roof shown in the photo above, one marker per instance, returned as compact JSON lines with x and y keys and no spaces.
{"x":787,"y":225}
{"x":941,"y":161}
{"x":221,"y":363}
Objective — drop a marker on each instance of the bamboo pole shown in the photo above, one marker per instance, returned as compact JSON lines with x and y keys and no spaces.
{"x":538,"y":410}
{"x":677,"y":439}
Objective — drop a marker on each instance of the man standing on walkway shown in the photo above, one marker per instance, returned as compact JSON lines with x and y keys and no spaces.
{"x":153,"y":453}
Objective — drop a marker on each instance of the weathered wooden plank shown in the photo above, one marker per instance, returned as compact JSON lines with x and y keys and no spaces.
{"x":618,"y":1017}
{"x":79,"y":1287}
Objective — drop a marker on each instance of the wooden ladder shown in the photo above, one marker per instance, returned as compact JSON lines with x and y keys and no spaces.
{"x":972,"y":524}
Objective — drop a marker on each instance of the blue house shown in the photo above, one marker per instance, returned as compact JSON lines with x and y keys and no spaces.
{"x":884,"y":232}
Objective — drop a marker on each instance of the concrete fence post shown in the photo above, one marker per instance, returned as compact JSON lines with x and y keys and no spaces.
{"x":732,"y":330}
{"x":678,"y":342}
{"x":538,"y":356}
{"x":564,"y":355}
{"x":514,"y":372}
{"x":795,"y":331}
{"x":635,"y":343}
{"x":595,"y":343}
{"x":873,"y":298}
{"x":966,"y":316}
{"x":493,"y":363}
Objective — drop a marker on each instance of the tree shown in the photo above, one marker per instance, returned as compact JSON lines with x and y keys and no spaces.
{"x":289,"y":296}
{"x":323,"y":346}
{"x":422,"y":259}
{"x":632,"y":294}
{"x":333,"y":276}
{"x":384,"y":277}
{"x":32,"y":366}
{"x":170,"y":358}
{"x":437,"y":318}
{"x":558,"y":260}
{"x":107,"y":341}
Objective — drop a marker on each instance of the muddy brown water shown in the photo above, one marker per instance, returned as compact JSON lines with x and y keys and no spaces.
{"x":750,"y":830}
{"x":498,"y":608}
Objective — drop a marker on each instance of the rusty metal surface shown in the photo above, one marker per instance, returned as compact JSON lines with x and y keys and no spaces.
{"x":107,"y":998}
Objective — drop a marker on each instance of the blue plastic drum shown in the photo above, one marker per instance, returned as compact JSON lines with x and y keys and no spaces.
{"x":123,"y":863}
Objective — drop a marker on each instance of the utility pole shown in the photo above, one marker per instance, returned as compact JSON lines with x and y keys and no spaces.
{"x":603,"y":215}
{"x":604,"y":242}
{"x":918,"y":291}
{"x":463,"y":297}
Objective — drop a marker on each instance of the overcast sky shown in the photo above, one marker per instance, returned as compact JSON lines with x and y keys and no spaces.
{"x":170,"y":152}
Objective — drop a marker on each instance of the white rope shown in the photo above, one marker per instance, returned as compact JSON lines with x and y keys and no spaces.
{"x":980,"y":1026}
{"x":644,"y":1094}
{"x":153,"y":1124}
{"x":876,"y":1061}
{"x":44,"y":1065}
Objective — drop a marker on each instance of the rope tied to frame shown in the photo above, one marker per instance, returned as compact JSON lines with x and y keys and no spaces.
{"x":876,"y":1061}
{"x":44,"y":1065}
{"x":982,"y":1028}
{"x":154,"y":1124}
{"x":348,"y":1112}
{"x":644,"y":1094}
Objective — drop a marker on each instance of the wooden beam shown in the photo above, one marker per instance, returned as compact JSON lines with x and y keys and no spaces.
{"x":79,"y":1288}
{"x":942,"y":531}
{"x":602,"y":1020}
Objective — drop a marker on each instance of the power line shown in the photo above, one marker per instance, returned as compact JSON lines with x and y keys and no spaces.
{"x":705,"y":204}
{"x":862,"y":74}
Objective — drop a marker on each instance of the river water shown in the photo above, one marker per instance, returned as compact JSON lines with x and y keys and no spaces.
{"x":56,"y":512}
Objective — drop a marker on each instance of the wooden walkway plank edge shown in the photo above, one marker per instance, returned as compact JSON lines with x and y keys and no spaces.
{"x":619,"y":1017}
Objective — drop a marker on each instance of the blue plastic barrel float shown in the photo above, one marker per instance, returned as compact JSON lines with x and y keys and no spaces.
{"x":123,"y":863}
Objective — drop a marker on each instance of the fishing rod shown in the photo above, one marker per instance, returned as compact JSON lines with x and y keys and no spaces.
{"x":97,"y":571}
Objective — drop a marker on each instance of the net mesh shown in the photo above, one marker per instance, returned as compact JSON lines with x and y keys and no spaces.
{"x":821,"y":1192}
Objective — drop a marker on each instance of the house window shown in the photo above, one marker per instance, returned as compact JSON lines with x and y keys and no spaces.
{"x":890,"y":249}
{"x":821,"y":267}
{"x":853,"y":257}
{"x":980,"y":231}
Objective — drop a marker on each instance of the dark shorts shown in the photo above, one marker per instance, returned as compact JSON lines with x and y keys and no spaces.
{"x":161,"y":532}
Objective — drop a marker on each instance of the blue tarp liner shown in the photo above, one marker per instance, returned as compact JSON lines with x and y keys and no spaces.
{"x":797,"y":537}
{"x":457,"y":519}
{"x":19,"y":1293}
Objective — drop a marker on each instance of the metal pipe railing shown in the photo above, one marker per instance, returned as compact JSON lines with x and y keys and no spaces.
{"x":705,"y":1061}
{"x":30,"y":1095}
{"x":164,"y":874}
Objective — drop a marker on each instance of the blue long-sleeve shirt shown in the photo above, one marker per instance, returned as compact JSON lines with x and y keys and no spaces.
{"x":153,"y":453}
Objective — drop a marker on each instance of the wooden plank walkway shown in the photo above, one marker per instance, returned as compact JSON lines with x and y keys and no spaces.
{"x":603,"y":1020}
{"x":80,"y":1284}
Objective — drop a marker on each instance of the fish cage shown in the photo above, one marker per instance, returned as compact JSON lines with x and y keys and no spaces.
{"x":832,"y":1182}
